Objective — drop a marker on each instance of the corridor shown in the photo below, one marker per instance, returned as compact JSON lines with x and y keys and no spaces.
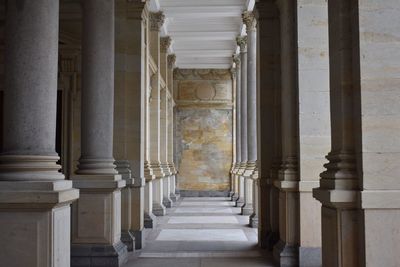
{"x":201,"y":232}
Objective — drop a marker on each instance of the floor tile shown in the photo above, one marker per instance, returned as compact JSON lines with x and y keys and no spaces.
{"x":202,"y":235}
{"x":203,"y":219}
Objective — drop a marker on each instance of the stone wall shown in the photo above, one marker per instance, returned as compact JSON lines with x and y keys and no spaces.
{"x":203,"y":129}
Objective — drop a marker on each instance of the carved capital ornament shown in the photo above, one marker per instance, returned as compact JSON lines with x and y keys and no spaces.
{"x":242,"y":43}
{"x":171,"y":61}
{"x":250,"y":20}
{"x":165,"y":43}
{"x":156,"y":20}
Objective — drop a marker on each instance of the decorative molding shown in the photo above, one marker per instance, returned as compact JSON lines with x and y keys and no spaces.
{"x":165,"y":43}
{"x":157,"y":20}
{"x":236,"y":59}
{"x":202,"y":74}
{"x":242,"y":43}
{"x":171,"y":61}
{"x":250,"y":20}
{"x":233,"y":73}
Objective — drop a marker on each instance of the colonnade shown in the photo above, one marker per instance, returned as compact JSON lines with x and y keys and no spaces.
{"x":320,"y":66}
{"x":313,"y":79}
{"x":124,"y":110}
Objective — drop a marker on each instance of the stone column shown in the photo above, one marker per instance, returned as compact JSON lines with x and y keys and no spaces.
{"x":269,"y":146}
{"x":234,"y":135}
{"x":314,"y":121}
{"x":286,"y":250}
{"x":134,"y":83}
{"x":250,"y":172}
{"x":236,"y":60}
{"x":165,"y":43}
{"x":149,"y":217}
{"x":156,"y":22}
{"x":99,"y":182}
{"x":171,"y":63}
{"x":34,"y":197}
{"x":359,"y":191}
{"x":242,"y":42}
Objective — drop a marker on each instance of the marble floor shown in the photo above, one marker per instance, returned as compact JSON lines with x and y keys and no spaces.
{"x":201,"y":232}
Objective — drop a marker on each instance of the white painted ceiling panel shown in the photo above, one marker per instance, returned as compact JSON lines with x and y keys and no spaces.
{"x":203,"y":32}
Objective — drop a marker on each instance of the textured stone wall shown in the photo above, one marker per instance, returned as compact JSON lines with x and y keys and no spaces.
{"x":203,"y":128}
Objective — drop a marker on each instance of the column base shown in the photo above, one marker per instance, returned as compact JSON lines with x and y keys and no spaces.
{"x":286,"y":255}
{"x":139,"y":239}
{"x":149,"y":220}
{"x":253,"y":221}
{"x":239,"y":203}
{"x":128,"y":239}
{"x":167,"y":202}
{"x":159,"y":209}
{"x":35,"y":218}
{"x":173,"y":197}
{"x":231,"y":193}
{"x":96,"y":255}
{"x":271,"y":240}
{"x":247,"y":209}
{"x":310,"y":257}
{"x":234,"y":197}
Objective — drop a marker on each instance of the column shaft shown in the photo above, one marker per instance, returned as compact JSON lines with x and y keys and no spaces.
{"x":34,"y":197}
{"x":286,"y":250}
{"x":96,"y":175}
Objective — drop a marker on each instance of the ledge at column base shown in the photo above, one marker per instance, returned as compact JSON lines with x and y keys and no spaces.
{"x":149,"y":220}
{"x":310,"y":257}
{"x":234,"y":197}
{"x":336,"y":198}
{"x":159,"y":209}
{"x":139,"y":239}
{"x":138,"y":182}
{"x":286,"y":255}
{"x":93,"y":182}
{"x":253,"y":221}
{"x":128,"y":239}
{"x":271,"y":239}
{"x":173,"y":197}
{"x":167,"y":202}
{"x":98,"y":255}
{"x":239,"y":202}
{"x":37,"y":194}
{"x":287,"y":185}
{"x":247,"y":209}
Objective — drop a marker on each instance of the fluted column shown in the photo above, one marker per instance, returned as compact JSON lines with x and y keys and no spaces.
{"x":34,"y":197}
{"x":250,"y":172}
{"x":242,"y":42}
{"x":236,"y":60}
{"x":286,"y":250}
{"x":156,"y":22}
{"x":171,"y":64}
{"x":96,"y":175}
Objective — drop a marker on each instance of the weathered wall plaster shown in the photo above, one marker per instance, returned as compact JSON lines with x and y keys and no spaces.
{"x":203,"y":128}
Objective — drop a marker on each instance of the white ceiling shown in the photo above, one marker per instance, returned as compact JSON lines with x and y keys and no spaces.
{"x":203,"y":32}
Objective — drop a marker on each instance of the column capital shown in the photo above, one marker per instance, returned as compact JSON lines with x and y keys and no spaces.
{"x":236,"y":59}
{"x":156,"y":20}
{"x":242,"y":43}
{"x":171,"y":61}
{"x":250,"y":20}
{"x":165,"y":43}
{"x":233,"y":72}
